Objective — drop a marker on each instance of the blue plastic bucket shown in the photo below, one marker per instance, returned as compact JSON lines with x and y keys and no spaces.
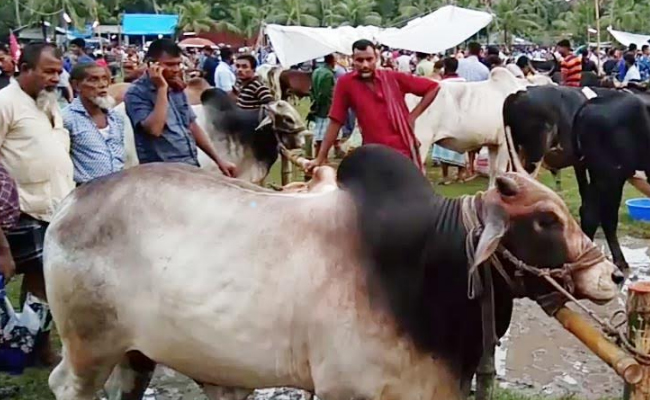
{"x":639,"y":209}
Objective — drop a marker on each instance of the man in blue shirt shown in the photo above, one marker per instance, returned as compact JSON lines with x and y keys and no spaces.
{"x":96,"y":131}
{"x":163,"y":122}
{"x":77,"y":54}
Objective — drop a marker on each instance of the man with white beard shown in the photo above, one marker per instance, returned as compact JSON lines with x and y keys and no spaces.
{"x":96,"y":131}
{"x":34,"y":148}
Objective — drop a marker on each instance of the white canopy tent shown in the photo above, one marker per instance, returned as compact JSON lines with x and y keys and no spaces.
{"x":296,"y":44}
{"x":441,"y":30}
{"x":433,"y":33}
{"x":626,"y":38}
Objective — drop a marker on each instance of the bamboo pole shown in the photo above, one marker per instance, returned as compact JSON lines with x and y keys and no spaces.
{"x":485,"y":375}
{"x":638,"y":312}
{"x":622,"y":363}
{"x":597,"y":3}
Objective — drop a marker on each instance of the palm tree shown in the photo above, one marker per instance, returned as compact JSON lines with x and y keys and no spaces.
{"x":574,"y":22}
{"x":292,"y":12}
{"x":244,"y":20}
{"x":357,"y":12}
{"x":324,"y":11}
{"x":514,"y":17}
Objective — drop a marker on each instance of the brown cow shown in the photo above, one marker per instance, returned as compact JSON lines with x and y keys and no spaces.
{"x":285,"y":83}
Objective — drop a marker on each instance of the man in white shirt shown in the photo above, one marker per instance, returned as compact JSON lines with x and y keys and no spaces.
{"x":404,"y":62}
{"x":34,"y":148}
{"x":271,"y":58}
{"x":471,"y":68}
{"x":632,"y":74}
{"x":224,"y":78}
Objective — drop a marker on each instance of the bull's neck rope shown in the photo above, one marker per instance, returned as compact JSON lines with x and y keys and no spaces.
{"x":550,"y":303}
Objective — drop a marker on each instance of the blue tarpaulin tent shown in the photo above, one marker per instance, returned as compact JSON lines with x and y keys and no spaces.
{"x":149,"y":24}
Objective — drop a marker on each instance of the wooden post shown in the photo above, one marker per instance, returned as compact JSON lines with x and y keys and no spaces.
{"x":286,"y":170}
{"x":309,"y":151}
{"x":638,"y":318}
{"x":485,"y":375}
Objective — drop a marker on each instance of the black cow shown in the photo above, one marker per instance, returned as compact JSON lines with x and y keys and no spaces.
{"x":249,"y":138}
{"x":555,"y":125}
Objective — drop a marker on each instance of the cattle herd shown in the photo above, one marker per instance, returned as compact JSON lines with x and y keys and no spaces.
{"x":357,"y":289}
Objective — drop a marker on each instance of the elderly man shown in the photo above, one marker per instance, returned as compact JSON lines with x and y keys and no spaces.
{"x":251,"y":92}
{"x":96,"y":131}
{"x":377,"y":97}
{"x":163,"y":122}
{"x":34,"y":147}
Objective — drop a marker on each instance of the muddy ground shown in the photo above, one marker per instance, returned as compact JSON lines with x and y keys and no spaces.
{"x":537,"y":355}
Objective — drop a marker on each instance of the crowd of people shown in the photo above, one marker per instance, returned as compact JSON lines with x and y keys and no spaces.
{"x":59,"y":129}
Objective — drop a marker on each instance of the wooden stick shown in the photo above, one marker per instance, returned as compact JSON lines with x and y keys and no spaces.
{"x":638,"y":317}
{"x":622,"y":363}
{"x":295,"y":159}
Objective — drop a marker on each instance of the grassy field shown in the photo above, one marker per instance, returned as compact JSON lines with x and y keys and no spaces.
{"x":570,"y":194}
{"x":33,"y":384}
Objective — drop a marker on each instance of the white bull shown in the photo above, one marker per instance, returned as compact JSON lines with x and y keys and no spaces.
{"x":357,"y":292}
{"x":466,"y":116}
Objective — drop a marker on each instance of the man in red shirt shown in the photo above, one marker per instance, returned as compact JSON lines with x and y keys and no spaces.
{"x":377,"y":98}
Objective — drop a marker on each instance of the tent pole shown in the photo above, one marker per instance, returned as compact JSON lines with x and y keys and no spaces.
{"x":596,"y":2}
{"x":119,"y":43}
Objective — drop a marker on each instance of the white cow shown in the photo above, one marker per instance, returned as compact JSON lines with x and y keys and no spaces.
{"x":356,"y":292}
{"x":468,"y":115}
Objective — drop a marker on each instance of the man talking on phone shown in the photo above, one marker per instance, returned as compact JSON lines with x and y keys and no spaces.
{"x":164,"y":124}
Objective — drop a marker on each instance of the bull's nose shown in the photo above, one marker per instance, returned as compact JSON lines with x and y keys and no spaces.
{"x":618,"y":277}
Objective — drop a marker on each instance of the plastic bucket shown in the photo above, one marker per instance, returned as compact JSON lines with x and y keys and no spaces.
{"x":639,"y":209}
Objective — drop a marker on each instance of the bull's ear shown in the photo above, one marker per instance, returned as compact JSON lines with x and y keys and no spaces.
{"x":495,"y":226}
{"x":507,"y":186}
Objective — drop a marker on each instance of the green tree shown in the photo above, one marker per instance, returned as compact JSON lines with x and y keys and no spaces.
{"x":193,"y":15}
{"x":292,"y":12}
{"x":357,"y":12}
{"x":514,"y":17}
{"x":244,"y":20}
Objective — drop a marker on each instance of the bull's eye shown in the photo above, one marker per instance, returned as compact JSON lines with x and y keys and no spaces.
{"x":547,"y":221}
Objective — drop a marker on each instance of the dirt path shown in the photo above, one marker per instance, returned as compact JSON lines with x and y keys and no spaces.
{"x":537,"y":355}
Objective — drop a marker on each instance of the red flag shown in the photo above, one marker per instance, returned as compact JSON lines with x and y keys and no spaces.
{"x":13,"y":46}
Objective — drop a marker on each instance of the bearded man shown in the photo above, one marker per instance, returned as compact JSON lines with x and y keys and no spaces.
{"x":164,"y":124}
{"x":34,"y":148}
{"x":96,"y":131}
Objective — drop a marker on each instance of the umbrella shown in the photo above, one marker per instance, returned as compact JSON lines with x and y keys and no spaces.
{"x":196,"y":42}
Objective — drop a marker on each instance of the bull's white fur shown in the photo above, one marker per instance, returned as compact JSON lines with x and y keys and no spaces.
{"x":466,"y":116}
{"x":131,"y":155}
{"x":214,"y":291}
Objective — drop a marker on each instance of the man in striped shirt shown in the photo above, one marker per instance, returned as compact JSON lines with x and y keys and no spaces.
{"x":571,"y":66}
{"x":251,"y":93}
